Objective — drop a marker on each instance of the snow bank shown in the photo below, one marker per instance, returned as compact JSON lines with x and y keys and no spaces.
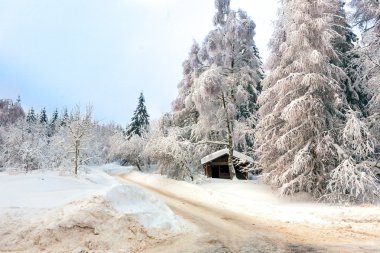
{"x":148,"y":210}
{"x":48,"y":211}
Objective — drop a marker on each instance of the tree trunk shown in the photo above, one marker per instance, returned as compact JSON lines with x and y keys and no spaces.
{"x":76,"y":156}
{"x":138,"y":165}
{"x":230,"y":145}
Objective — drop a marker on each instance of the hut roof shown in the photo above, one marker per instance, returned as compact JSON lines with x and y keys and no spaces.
{"x":223,"y":152}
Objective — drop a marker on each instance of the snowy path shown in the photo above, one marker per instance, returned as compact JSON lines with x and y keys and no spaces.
{"x":223,"y":230}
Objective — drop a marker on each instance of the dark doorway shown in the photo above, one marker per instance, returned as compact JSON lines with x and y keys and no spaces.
{"x":215,"y":172}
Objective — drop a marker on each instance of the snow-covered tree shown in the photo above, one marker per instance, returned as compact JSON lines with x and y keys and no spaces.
{"x":140,"y":120}
{"x":31,"y":116}
{"x":216,"y":101}
{"x":24,"y":146}
{"x":308,"y":137}
{"x":65,"y":117}
{"x":172,"y":153}
{"x":343,"y":43}
{"x":79,"y":131}
{"x":10,"y":112}
{"x":129,"y":151}
{"x":366,"y":16}
{"x":225,"y":93}
{"x":184,"y":111}
{"x":53,"y":124}
{"x":43,"y":116}
{"x":299,"y":104}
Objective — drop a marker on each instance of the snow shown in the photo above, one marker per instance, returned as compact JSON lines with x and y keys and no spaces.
{"x":50,"y":210}
{"x":61,"y":212}
{"x":42,"y":190}
{"x":222,"y":152}
{"x":46,"y":190}
{"x":254,"y":198}
{"x":148,"y":210}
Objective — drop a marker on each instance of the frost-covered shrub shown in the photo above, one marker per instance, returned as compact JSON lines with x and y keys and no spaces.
{"x":173,"y":154}
{"x":130,"y":149}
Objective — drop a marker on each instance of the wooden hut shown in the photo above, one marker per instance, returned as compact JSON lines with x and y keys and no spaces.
{"x":216,"y":164}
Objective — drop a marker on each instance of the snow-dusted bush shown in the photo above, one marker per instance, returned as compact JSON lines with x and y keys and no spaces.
{"x":130,"y":149}
{"x":172,"y":153}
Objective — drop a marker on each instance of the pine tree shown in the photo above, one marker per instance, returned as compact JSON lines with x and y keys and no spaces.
{"x":367,"y":66}
{"x":140,"y":120}
{"x":43,"y":117}
{"x":343,"y":43}
{"x":53,"y":123}
{"x":300,"y":101}
{"x":31,"y":117}
{"x":65,"y":118}
{"x":54,"y":117}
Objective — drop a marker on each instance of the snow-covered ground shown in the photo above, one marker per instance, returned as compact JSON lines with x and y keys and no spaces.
{"x":96,"y":212}
{"x":63,"y":213}
{"x":256,"y":199}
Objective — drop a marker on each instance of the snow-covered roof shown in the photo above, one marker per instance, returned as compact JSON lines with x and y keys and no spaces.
{"x":223,"y":152}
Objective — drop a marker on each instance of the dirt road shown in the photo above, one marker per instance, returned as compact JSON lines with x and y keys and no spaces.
{"x":222,"y":231}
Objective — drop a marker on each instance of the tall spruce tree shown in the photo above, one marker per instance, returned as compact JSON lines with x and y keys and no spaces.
{"x":65,"y":117}
{"x":306,"y":142}
{"x":53,"y":123}
{"x":299,"y":105}
{"x":343,"y":43}
{"x":140,"y":120}
{"x":366,"y":16}
{"x":43,"y":116}
{"x":54,"y":117}
{"x":31,"y":116}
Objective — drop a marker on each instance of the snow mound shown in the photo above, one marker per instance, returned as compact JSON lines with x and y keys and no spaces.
{"x":91,"y":212}
{"x":80,"y":226}
{"x":148,"y":210}
{"x":121,"y":219}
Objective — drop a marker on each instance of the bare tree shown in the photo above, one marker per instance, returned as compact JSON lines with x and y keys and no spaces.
{"x":79,"y":130}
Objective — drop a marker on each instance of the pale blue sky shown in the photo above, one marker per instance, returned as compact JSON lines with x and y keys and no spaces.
{"x":57,"y":53}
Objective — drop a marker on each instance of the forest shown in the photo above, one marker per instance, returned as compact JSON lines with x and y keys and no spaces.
{"x":309,"y":115}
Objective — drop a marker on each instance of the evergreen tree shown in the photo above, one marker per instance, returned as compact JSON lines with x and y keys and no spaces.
{"x":31,"y":116}
{"x":54,"y":117}
{"x":140,"y":120}
{"x":299,"y":102}
{"x":65,"y":117}
{"x":343,"y":43}
{"x":43,"y":117}
{"x":367,"y":66}
{"x":301,"y":143}
{"x":53,"y":123}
